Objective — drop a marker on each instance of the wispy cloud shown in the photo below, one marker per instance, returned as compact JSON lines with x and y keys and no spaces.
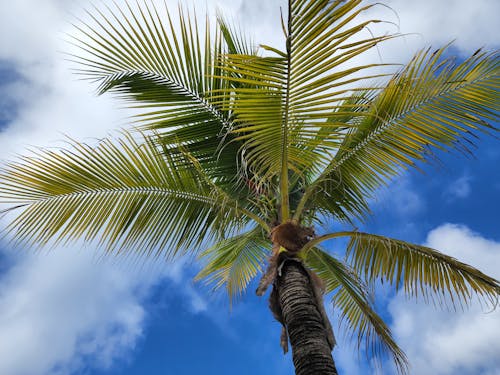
{"x":401,"y":197}
{"x":70,"y":309}
{"x":470,"y":24}
{"x":459,"y":189}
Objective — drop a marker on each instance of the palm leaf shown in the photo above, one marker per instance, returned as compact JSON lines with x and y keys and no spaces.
{"x":166,"y":73}
{"x":281,"y":102}
{"x":420,"y":270}
{"x":431,"y":104}
{"x":351,"y":298}
{"x":234,"y":262}
{"x":118,"y":41}
{"x":124,"y":193}
{"x":331,"y":198}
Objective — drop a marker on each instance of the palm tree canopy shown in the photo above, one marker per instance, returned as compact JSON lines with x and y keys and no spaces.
{"x":230,"y":138}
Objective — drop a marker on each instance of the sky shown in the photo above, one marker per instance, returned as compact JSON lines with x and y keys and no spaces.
{"x":70,"y":311}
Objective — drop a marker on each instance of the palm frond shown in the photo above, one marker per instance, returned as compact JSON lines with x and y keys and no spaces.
{"x":420,"y":270}
{"x":282,"y":101}
{"x":234,"y":262}
{"x":144,"y":39}
{"x":124,"y":193}
{"x":331,"y":198}
{"x":166,"y":73}
{"x":431,"y":104}
{"x":351,"y":298}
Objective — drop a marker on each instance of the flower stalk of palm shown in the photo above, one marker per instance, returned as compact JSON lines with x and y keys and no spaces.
{"x":230,"y":143}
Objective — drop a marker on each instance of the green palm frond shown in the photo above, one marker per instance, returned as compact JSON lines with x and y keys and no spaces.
{"x":431,"y":104}
{"x":124,"y":192}
{"x":282,"y":101}
{"x":420,"y":270}
{"x":330,"y":196}
{"x":145,"y":39}
{"x":258,"y":110}
{"x":166,"y":72}
{"x":162,"y":69}
{"x":234,"y":262}
{"x":351,"y":298}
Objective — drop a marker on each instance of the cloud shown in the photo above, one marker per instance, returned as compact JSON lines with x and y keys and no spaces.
{"x":442,"y":342}
{"x":50,"y":101}
{"x":401,"y":198}
{"x":405,"y":200}
{"x":459,"y":189}
{"x":65,"y":310}
{"x":59,"y":309}
{"x":472,"y":24}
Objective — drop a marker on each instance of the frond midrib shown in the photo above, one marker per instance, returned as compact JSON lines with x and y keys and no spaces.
{"x":123,"y":190}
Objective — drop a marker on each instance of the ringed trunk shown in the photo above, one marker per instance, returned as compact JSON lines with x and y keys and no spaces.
{"x":306,"y":330}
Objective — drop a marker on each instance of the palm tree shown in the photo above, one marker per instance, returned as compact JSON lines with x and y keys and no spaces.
{"x":238,"y":151}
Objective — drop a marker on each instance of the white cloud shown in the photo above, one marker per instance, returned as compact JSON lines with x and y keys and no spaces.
{"x":58,"y":309}
{"x":460,"y":188}
{"x":401,"y":197}
{"x":442,"y":342}
{"x":472,"y":24}
{"x":64,"y":309}
{"x":50,"y":100}
{"x":405,"y":200}
{"x":29,"y":30}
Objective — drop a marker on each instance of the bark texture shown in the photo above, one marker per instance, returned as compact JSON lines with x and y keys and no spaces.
{"x":311,"y":351}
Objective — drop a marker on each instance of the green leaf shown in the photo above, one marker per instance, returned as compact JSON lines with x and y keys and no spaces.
{"x":351,"y":298}
{"x":281,"y":103}
{"x":125,"y":193}
{"x":421,"y":271}
{"x":166,"y":72}
{"x":430,"y":104}
{"x":234,"y":262}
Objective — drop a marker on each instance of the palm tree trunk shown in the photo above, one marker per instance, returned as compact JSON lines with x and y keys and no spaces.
{"x":306,"y":330}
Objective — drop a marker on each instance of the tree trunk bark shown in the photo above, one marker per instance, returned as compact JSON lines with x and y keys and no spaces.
{"x":311,"y":352}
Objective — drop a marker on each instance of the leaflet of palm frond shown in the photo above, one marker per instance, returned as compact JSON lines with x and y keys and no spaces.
{"x":352,"y":299}
{"x":235,"y":40}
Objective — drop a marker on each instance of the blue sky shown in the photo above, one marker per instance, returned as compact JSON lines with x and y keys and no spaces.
{"x":69,"y":312}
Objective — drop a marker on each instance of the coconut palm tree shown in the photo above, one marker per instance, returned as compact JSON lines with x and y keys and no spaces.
{"x":238,"y":152}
